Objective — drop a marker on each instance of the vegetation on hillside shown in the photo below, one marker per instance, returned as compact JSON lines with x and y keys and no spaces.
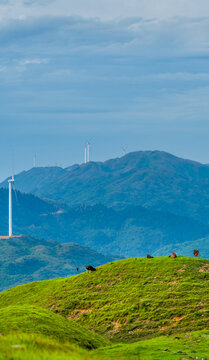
{"x":128,"y":299}
{"x":193,"y":345}
{"x":34,"y":320}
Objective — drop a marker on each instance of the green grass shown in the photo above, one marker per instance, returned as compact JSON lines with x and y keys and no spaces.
{"x":33,"y":320}
{"x":36,"y":347}
{"x":194,"y":345}
{"x":186,"y":346}
{"x":129,"y":299}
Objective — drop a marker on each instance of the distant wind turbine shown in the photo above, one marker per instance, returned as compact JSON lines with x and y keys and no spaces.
{"x":87,"y":153}
{"x":124,"y":148}
{"x":10,"y":181}
{"x":34,"y":160}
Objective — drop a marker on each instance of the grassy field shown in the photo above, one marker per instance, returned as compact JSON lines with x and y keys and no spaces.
{"x":147,"y":308}
{"x":128,"y":299}
{"x":30,"y":319}
{"x":36,"y":347}
{"x":193,"y":345}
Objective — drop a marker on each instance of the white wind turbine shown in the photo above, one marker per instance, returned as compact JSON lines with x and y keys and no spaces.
{"x":10,"y":181}
{"x":87,"y":153}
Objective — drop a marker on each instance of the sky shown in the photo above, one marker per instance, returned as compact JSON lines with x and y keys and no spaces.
{"x":123,"y":75}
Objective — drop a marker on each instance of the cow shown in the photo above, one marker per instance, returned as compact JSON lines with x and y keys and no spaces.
{"x":196,"y":253}
{"x":173,"y":255}
{"x":90,"y":268}
{"x":149,"y":256}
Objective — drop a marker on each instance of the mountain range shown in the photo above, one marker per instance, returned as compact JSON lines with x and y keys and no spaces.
{"x":152,"y":179}
{"x":144,"y":202}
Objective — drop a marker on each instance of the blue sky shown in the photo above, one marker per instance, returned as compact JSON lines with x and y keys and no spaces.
{"x":120,"y":74}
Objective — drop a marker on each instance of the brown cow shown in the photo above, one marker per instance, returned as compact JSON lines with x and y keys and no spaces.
{"x":173,"y":255}
{"x":196,"y":253}
{"x":90,"y":268}
{"x":149,"y":256}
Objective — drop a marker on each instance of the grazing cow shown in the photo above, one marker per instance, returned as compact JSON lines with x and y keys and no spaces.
{"x":173,"y":255}
{"x":149,"y":256}
{"x":196,"y":253}
{"x":90,"y":268}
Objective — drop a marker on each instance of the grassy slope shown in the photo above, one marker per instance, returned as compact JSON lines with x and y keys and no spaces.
{"x":193,"y":345}
{"x":129,"y":299}
{"x":34,"y":320}
{"x":35,"y":347}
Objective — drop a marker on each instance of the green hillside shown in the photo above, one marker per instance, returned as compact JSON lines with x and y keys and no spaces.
{"x":193,"y":345}
{"x":129,"y":299}
{"x":33,"y":320}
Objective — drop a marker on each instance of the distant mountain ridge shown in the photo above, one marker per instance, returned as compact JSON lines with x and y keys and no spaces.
{"x":152,"y":179}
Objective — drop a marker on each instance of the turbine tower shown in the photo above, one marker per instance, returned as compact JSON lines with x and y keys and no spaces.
{"x":85,"y":155}
{"x":88,"y":151}
{"x":34,"y":160}
{"x":10,"y":181}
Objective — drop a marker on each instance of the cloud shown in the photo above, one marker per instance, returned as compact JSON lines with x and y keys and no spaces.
{"x":135,"y":37}
{"x":106,"y":9}
{"x":71,"y":75}
{"x":33,"y":62}
{"x":37,"y":2}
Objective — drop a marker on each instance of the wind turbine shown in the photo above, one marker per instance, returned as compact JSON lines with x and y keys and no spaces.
{"x":88,"y":151}
{"x":85,"y":155}
{"x":34,"y":160}
{"x":124,"y":148}
{"x":10,"y":181}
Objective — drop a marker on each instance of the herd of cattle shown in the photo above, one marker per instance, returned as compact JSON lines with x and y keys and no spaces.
{"x":196,"y":253}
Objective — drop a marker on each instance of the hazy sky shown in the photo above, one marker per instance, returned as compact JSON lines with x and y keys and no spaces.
{"x":121,"y":74}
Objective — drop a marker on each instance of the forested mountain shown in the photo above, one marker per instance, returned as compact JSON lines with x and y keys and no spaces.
{"x":132,"y":231}
{"x":24,"y":259}
{"x":152,"y":179}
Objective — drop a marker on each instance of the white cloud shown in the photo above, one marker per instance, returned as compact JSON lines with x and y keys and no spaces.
{"x":33,"y":62}
{"x":3,"y":69}
{"x":106,"y":9}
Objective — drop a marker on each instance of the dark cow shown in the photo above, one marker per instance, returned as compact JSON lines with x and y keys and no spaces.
{"x":196,"y":253}
{"x":173,"y":255}
{"x":149,"y":256}
{"x":90,"y":268}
